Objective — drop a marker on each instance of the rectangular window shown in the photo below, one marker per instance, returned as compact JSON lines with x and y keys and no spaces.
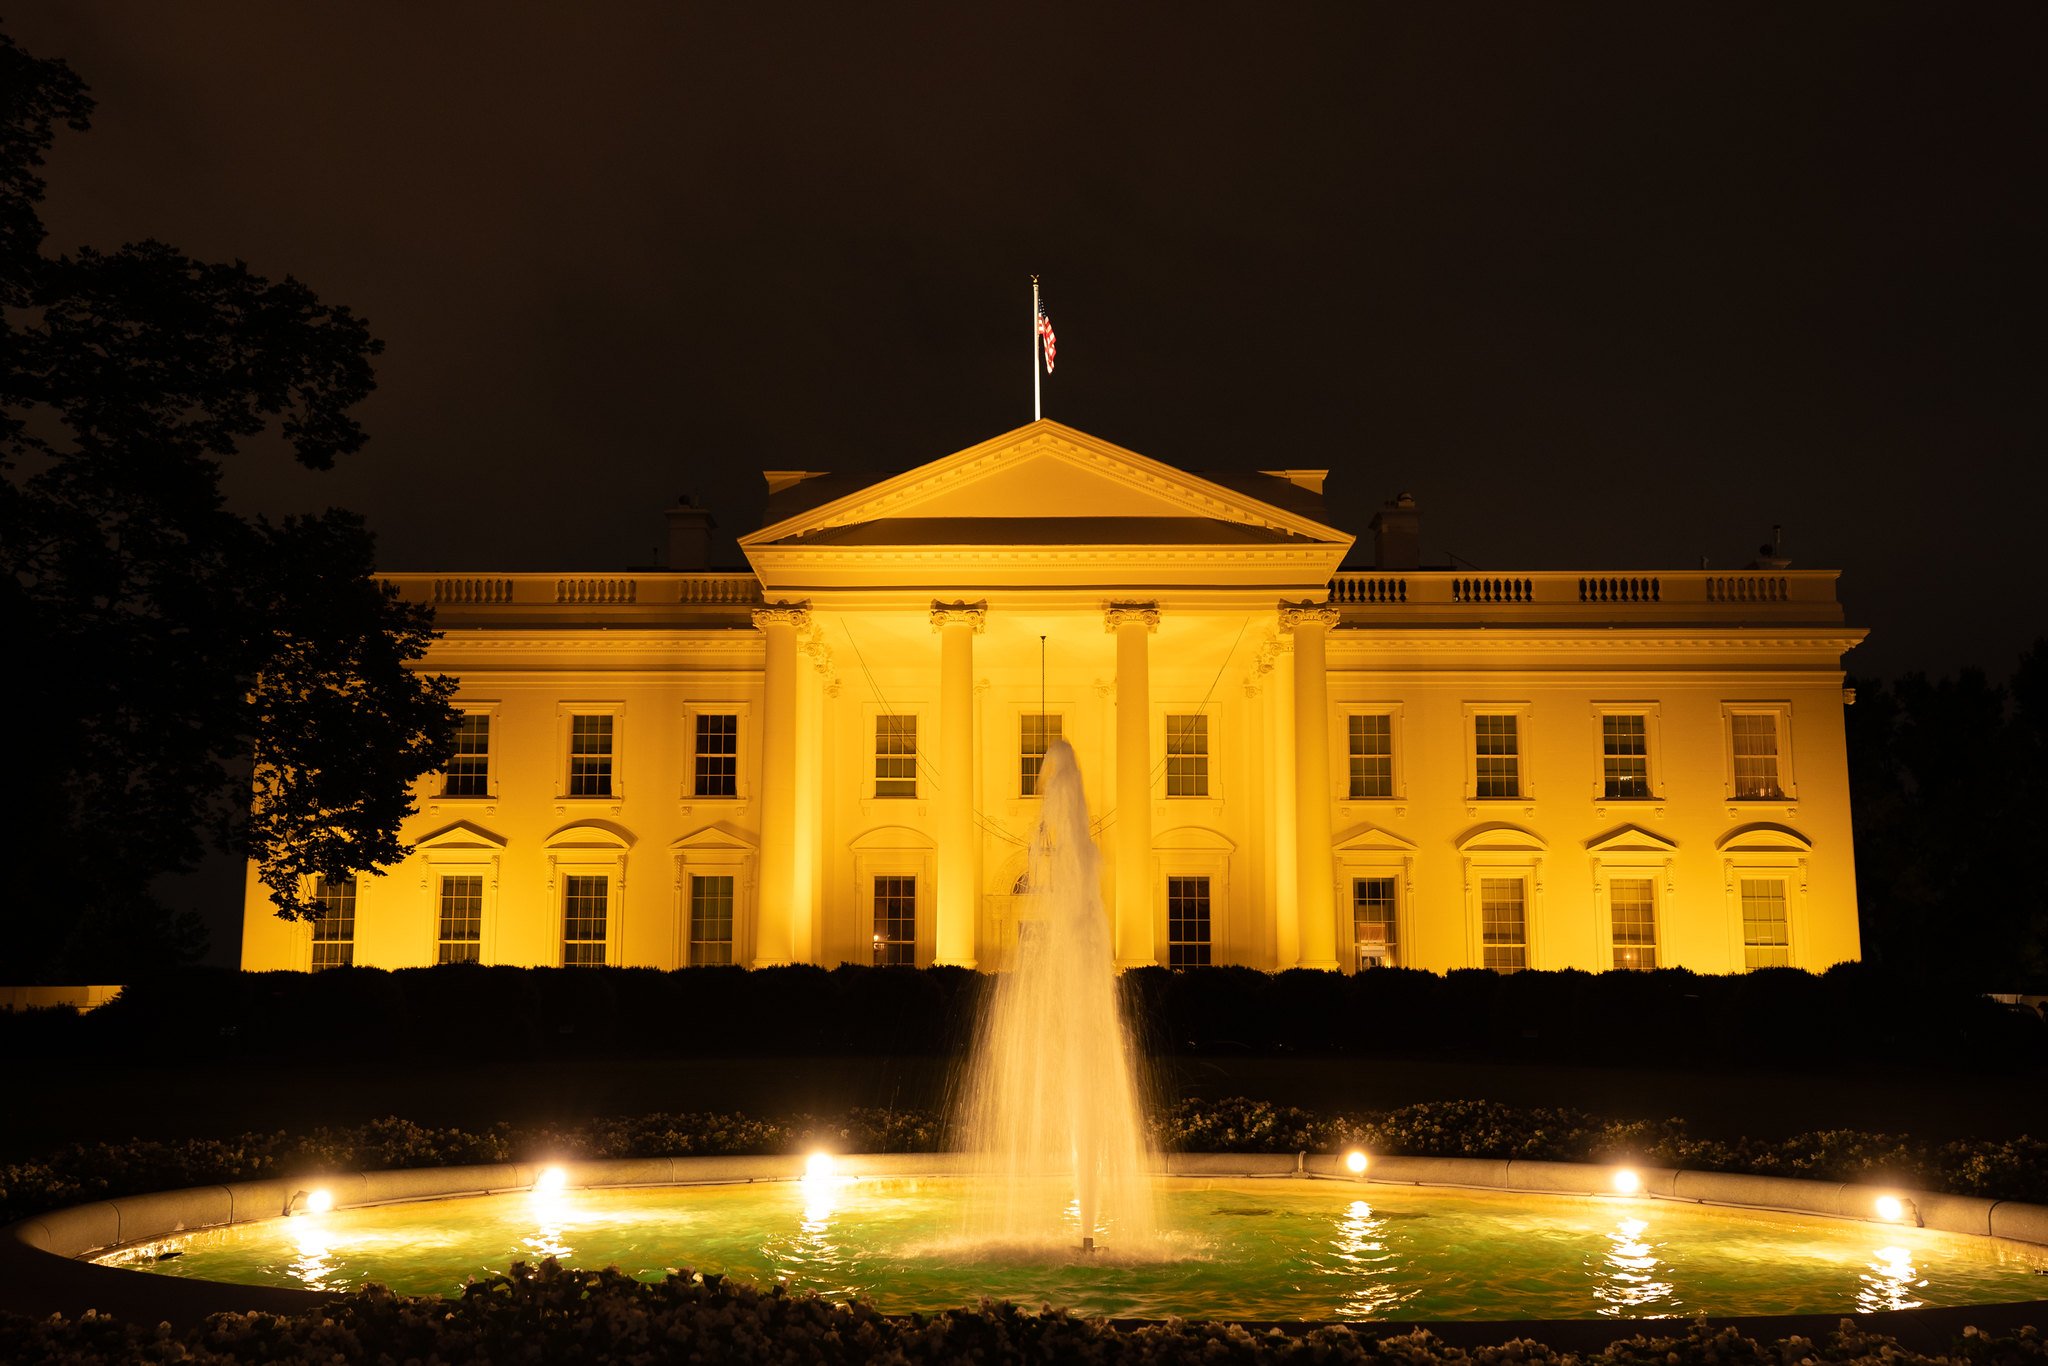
{"x":1372,"y":756}
{"x":1038,"y":733}
{"x":590,"y":756}
{"x":1633,"y":904}
{"x":711,"y":921}
{"x":1766,"y":937}
{"x":469,"y":767}
{"x":585,"y":901}
{"x":895,"y":922}
{"x":461,"y":933}
{"x":1625,"y":756}
{"x":895,"y":756}
{"x":1753,"y":738}
{"x":1503,"y":923}
{"x":1497,"y":755}
{"x":334,"y":933}
{"x":1372,"y":922}
{"x":1187,"y":922}
{"x":716,"y":767}
{"x":1187,"y":756}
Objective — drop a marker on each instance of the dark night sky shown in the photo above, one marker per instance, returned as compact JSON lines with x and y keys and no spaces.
{"x":1604,"y":286}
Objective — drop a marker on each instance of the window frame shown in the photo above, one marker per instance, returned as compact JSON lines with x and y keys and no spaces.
{"x":1525,"y":776}
{"x":489,"y":711}
{"x":742,"y":714}
{"x":1505,"y":874}
{"x":1209,"y":917}
{"x":1211,"y":783}
{"x":1653,"y":766}
{"x":1658,"y":879}
{"x":1397,"y":879}
{"x":316,"y":889}
{"x":1783,"y":878}
{"x":567,"y":878}
{"x":689,"y":916}
{"x":920,"y":732}
{"x":566,"y":714}
{"x":442,"y":876}
{"x":1026,"y":716}
{"x":714,"y":852}
{"x":910,"y":957}
{"x":1780,"y":713}
{"x":1396,"y":778}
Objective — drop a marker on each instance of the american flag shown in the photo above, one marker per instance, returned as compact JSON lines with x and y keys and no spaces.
{"x":1045,"y":336}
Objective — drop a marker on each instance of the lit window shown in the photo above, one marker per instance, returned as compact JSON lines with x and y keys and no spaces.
{"x":585,"y":900}
{"x":1187,"y":756}
{"x":1372,"y":756}
{"x":334,"y":933}
{"x":1753,"y":739}
{"x":711,"y":921}
{"x":1372,"y":921}
{"x":895,"y":939}
{"x":1038,"y":733}
{"x":1633,"y":903}
{"x":716,"y":770}
{"x":469,"y":767}
{"x":1625,"y":756}
{"x":1503,"y":923}
{"x":460,"y":937}
{"x":1187,"y":922}
{"x":895,"y":756}
{"x":590,"y":756}
{"x":1766,"y":938}
{"x":1497,"y":755}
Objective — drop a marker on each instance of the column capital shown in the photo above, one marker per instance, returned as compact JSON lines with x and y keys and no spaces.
{"x":973,"y":614}
{"x":1295,"y":614}
{"x":1131,"y":613}
{"x":792,"y":614}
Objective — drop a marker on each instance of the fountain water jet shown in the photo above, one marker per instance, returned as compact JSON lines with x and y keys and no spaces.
{"x":1050,"y":1105}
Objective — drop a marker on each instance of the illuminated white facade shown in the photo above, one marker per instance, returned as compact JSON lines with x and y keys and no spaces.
{"x":830,"y":759}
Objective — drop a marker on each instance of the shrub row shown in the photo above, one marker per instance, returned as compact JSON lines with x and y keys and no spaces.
{"x":1846,"y":1016}
{"x":2015,"y":1169}
{"x":551,"y":1314}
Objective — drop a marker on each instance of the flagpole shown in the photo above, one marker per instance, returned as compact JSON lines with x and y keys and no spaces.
{"x":1037,"y":410}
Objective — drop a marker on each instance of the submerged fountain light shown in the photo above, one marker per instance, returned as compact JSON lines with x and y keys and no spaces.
{"x":1356,"y":1162}
{"x":1897,"y":1209}
{"x":550,"y":1181}
{"x":1627,"y":1180}
{"x":319,"y":1201}
{"x":819,"y":1166}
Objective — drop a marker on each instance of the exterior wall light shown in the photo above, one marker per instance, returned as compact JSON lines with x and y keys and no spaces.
{"x":1627,"y":1181}
{"x":550,"y":1181}
{"x":1356,"y":1162}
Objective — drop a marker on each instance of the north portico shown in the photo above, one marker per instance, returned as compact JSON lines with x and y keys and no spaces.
{"x":833,"y":758}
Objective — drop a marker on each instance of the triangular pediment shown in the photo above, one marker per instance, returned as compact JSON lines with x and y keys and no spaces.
{"x":1049,"y":484}
{"x":458,"y":836}
{"x":1370,"y":839}
{"x":1631,"y":839}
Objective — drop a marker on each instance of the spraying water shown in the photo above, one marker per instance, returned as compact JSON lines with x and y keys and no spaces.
{"x":1050,"y":1107}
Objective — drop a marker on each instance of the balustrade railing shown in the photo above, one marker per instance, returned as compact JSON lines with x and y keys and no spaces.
{"x":543,"y":591}
{"x":1807,"y":593}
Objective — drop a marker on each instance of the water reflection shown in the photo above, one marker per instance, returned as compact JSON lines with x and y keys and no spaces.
{"x":1626,"y":1280}
{"x":314,"y":1262}
{"x":550,"y":1210}
{"x":1890,"y":1282}
{"x":1361,"y":1258}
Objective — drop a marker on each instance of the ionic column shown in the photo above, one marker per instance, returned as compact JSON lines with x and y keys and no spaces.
{"x":959,"y":871}
{"x":1314,"y":900}
{"x":775,"y":909}
{"x":1136,"y":941}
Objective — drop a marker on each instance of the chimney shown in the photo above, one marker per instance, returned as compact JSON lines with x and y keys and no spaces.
{"x":689,"y":536}
{"x":1397,"y":535}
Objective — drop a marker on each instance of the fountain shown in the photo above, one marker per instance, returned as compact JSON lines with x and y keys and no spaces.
{"x":1049,"y":1104}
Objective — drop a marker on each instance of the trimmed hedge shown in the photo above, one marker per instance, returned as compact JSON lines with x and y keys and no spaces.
{"x":1779,"y":1017}
{"x":547,"y":1313}
{"x":2016,"y":1169}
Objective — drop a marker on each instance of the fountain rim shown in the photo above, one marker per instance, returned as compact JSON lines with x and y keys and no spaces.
{"x":41,"y":1272}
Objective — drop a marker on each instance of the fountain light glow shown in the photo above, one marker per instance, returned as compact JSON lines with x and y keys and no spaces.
{"x":1050,"y":1102}
{"x":1627,"y":1180}
{"x":1356,"y":1162}
{"x":551,"y":1180}
{"x":319,"y":1201}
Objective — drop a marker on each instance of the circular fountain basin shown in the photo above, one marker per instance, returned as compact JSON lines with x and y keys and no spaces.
{"x":1246,"y":1238}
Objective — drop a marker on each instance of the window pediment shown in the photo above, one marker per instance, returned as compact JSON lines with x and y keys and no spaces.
{"x":717,"y":835}
{"x":1364,"y":839}
{"x":1764,"y":837}
{"x":460,"y":836}
{"x":1193,"y":837}
{"x":1630,"y":839}
{"x":890,"y":837}
{"x":590,"y":835}
{"x":1499,"y":837}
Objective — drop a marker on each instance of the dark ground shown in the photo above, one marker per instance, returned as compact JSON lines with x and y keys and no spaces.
{"x":50,"y":1103}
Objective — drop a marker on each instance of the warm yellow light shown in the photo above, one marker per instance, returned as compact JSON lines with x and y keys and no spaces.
{"x":1890,"y":1207}
{"x":1627,"y":1181}
{"x":551,"y":1180}
{"x":319,"y":1201}
{"x":819,"y":1165}
{"x":1355,"y":1162}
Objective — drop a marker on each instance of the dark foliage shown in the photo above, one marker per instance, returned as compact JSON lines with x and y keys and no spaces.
{"x":160,"y":639}
{"x":1949,"y":779}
